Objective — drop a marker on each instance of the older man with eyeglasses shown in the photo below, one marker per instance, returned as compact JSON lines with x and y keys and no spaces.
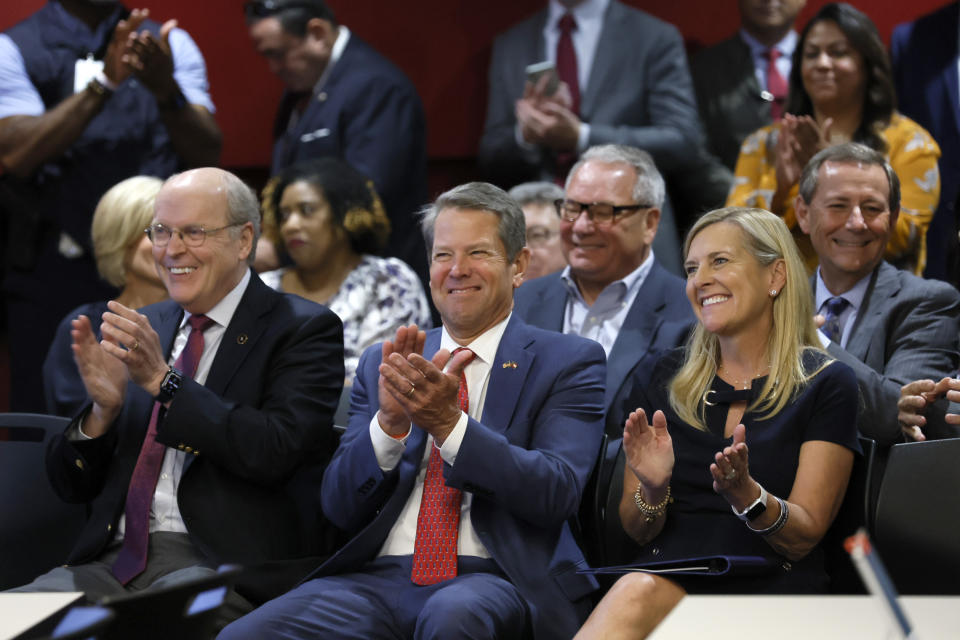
{"x":613,"y":289}
{"x":210,"y":415}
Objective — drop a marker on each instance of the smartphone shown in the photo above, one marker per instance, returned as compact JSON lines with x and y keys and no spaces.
{"x":538,"y":70}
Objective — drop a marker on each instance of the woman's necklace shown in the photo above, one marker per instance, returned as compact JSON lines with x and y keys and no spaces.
{"x":742,"y":384}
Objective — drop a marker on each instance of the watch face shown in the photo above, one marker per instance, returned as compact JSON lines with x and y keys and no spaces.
{"x":756,"y":511}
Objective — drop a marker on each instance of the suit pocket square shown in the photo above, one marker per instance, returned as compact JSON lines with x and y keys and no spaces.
{"x":699,"y":566}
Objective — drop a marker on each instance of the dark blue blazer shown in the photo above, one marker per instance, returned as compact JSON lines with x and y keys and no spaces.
{"x":924,"y":55}
{"x":369,"y":115}
{"x":526,"y":462}
{"x":261,"y":423}
{"x":660,"y":319}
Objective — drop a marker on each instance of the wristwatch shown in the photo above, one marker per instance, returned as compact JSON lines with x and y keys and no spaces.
{"x":169,"y":386}
{"x":755,"y":509}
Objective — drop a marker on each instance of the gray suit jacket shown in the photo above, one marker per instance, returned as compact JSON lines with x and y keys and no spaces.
{"x":907,"y":329}
{"x":660,"y":319}
{"x":728,"y":96}
{"x":639,"y":93}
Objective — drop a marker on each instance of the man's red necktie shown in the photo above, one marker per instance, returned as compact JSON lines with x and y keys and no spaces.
{"x":776,"y":84}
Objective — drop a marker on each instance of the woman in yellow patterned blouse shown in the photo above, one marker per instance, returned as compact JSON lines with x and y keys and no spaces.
{"x":841,"y":90}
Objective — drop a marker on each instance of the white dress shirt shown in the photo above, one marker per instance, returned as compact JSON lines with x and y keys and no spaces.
{"x":403,"y":534}
{"x":758,"y":53}
{"x":602,"y":320}
{"x":164,"y":511}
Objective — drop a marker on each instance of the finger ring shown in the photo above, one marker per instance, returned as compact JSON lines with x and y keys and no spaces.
{"x":413,"y":387}
{"x":730,"y":474}
{"x":136,"y":345}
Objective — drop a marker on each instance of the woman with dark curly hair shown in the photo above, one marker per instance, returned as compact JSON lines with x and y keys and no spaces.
{"x":327,"y":216}
{"x":841,"y":90}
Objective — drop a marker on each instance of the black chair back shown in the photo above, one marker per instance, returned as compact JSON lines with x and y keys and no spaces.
{"x":37,"y":529}
{"x":917,"y":527}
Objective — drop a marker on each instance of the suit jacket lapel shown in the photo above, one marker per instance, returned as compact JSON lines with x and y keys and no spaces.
{"x":609,"y":50}
{"x":883,"y":286}
{"x":242,"y":333}
{"x":506,"y":380}
{"x":551,"y":305}
{"x":637,"y":331}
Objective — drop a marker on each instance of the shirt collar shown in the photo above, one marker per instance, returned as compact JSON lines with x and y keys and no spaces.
{"x":483,"y":346}
{"x":586,"y":10}
{"x":222,"y":312}
{"x":343,"y":37}
{"x":854,"y":295}
{"x":629,"y":282}
{"x":786,"y":45}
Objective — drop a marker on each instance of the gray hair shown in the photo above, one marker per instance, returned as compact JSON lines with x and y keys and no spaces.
{"x":536,"y":193}
{"x":479,"y":196}
{"x":849,"y":153}
{"x":242,"y":207}
{"x":649,"y":187}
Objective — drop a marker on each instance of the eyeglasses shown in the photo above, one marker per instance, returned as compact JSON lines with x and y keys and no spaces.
{"x":192,"y":235}
{"x":267,"y":8}
{"x":539,"y":236}
{"x":597,"y":212}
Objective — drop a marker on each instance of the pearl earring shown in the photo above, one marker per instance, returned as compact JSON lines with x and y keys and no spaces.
{"x":773,"y":293}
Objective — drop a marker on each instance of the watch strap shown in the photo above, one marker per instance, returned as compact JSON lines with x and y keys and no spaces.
{"x":753,"y":510}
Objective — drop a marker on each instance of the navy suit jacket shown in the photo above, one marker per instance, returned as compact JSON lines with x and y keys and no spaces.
{"x":526,"y":462}
{"x":660,"y":319}
{"x":369,"y":115}
{"x":256,"y":430}
{"x":924,"y":55}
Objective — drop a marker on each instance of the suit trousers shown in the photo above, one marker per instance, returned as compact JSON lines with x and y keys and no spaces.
{"x":381,"y":602}
{"x":171,"y":559}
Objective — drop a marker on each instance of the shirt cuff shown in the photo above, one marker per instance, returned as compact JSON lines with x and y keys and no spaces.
{"x":824,"y":340}
{"x":451,"y":446}
{"x":76,"y":434}
{"x":531,"y":151}
{"x":583,"y":140}
{"x":387,"y":449}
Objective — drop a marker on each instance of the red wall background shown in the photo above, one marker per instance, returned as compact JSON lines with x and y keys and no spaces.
{"x":443,"y":45}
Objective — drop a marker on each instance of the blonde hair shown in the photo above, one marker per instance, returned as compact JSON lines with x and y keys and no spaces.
{"x":119,"y":220}
{"x":767,"y":239}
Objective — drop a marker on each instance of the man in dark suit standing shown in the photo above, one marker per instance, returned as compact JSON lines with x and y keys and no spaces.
{"x":344,"y":99}
{"x":204,"y":411}
{"x":457,"y":474}
{"x":614,"y":290}
{"x":628,"y":84}
{"x":741,"y":83}
{"x":925,"y":59}
{"x":890,"y":326}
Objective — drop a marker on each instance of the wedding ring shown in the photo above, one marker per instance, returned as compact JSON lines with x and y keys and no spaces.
{"x":413,"y":388}
{"x":136,"y":345}
{"x":730,"y":475}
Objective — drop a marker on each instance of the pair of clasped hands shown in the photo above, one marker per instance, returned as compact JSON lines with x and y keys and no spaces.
{"x":141,"y":54}
{"x":649,"y":454}
{"x":547,"y":120}
{"x":415,"y":390}
{"x":916,"y":396}
{"x":799,"y":138}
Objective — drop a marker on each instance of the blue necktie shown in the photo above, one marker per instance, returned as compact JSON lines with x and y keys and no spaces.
{"x":831,"y":326}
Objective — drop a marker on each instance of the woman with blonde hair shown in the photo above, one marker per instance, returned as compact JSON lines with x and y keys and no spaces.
{"x":752,"y":436}
{"x":328,"y":218}
{"x":124,"y":258}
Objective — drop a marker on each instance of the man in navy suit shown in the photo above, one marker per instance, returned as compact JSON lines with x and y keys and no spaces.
{"x":183,"y":471}
{"x":926,"y":65}
{"x":344,"y":99}
{"x":512,"y":460}
{"x":614,"y":290}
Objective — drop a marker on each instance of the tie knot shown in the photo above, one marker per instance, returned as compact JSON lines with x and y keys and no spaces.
{"x":467,"y":349}
{"x":772,"y":54}
{"x":836,"y":305}
{"x":200,"y":322}
{"x":567,"y":23}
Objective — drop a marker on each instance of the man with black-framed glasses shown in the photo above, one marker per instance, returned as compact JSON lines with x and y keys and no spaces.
{"x":344,"y":99}
{"x":613,"y":289}
{"x":210,"y":415}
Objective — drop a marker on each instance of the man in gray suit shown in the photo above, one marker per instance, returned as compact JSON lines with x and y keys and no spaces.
{"x":890,"y":326}
{"x":732,"y":81}
{"x":613,"y":290}
{"x":631,"y":86}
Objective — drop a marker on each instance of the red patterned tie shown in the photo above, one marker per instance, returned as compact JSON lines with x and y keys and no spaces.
{"x":132,"y":559}
{"x":776,"y":84}
{"x":567,"y":72}
{"x":435,"y":549}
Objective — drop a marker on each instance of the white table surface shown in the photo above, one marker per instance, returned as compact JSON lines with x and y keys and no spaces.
{"x":21,"y":611}
{"x":805,"y":618}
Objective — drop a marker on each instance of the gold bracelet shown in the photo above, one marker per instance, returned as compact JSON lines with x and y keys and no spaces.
{"x":651,"y":512}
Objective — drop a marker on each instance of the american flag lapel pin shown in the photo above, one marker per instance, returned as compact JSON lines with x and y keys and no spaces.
{"x":509,"y":364}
